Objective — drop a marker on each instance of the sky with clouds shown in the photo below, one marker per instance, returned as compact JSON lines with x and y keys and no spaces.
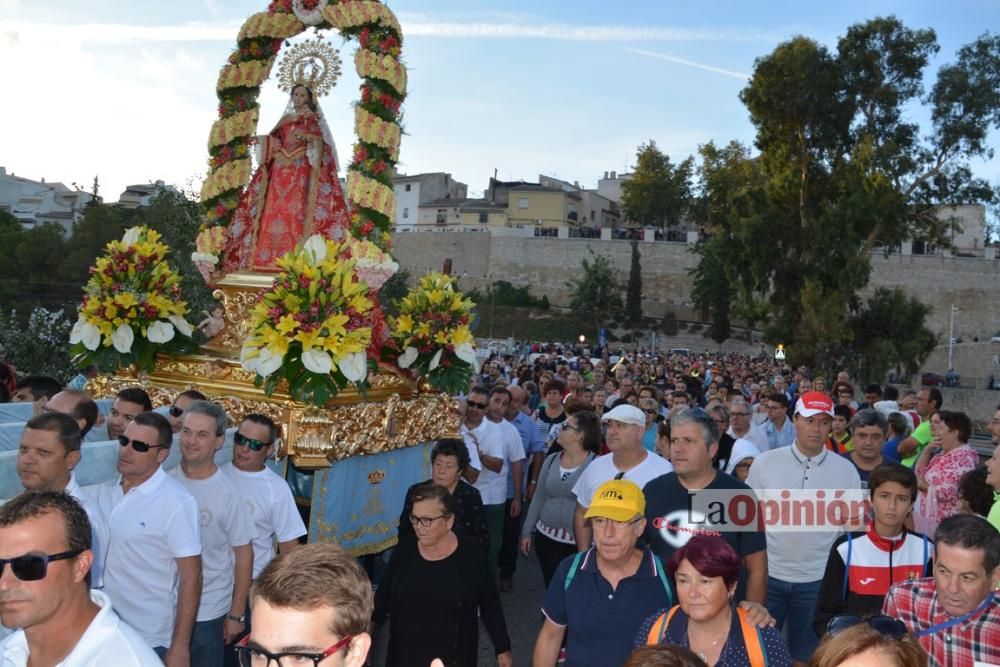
{"x":126,"y":88}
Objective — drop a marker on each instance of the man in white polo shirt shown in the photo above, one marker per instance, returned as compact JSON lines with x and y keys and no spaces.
{"x":796,"y":560}
{"x":226,"y":554}
{"x":487,"y":438}
{"x":45,"y":551}
{"x":628,"y":460}
{"x":153,"y":571}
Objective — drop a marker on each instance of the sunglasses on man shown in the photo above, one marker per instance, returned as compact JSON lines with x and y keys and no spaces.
{"x":33,"y":567}
{"x":242,"y":441}
{"x":138,"y":445}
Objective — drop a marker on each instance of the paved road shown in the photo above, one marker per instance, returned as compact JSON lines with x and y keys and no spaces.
{"x":522,"y":609}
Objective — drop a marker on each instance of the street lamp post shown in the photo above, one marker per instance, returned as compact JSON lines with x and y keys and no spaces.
{"x":951,"y":338}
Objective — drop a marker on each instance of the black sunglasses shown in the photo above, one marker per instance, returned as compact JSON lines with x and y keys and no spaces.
{"x":176,"y":411}
{"x":884,"y":625}
{"x":243,"y":441}
{"x":32,"y":567}
{"x":138,"y":445}
{"x":473,"y":404}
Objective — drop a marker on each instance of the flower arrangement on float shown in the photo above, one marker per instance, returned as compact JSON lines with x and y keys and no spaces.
{"x":132,"y":306}
{"x":313,"y":327}
{"x":377,"y":117}
{"x":433,"y":335}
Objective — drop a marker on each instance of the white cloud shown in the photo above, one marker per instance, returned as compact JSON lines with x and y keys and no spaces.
{"x":583,"y":33}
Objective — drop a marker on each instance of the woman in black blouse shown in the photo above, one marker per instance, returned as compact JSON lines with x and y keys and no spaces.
{"x":436,"y":588}
{"x":449,"y":459}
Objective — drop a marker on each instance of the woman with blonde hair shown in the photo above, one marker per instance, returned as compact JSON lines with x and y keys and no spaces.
{"x":863,"y":645}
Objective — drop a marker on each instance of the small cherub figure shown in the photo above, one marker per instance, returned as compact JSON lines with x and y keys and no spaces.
{"x":214,"y":323}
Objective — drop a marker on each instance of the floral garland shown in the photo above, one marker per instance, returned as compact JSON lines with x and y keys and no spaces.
{"x":432,"y":330}
{"x":377,"y":122}
{"x":312,"y":328}
{"x":132,"y":306}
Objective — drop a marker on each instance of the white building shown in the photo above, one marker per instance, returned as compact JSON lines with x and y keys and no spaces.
{"x":418,"y":189}
{"x":134,"y":196}
{"x":38,"y":203}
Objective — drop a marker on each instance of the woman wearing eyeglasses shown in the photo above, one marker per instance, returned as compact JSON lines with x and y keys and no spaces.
{"x":432,"y":588}
{"x":706,"y":571}
{"x":550,"y":516}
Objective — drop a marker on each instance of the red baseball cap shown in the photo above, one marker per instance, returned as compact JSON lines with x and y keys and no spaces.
{"x":813,"y":403}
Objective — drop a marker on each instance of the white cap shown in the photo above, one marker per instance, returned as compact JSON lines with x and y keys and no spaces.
{"x":626,"y":414}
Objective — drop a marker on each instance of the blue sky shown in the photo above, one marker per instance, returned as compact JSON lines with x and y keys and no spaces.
{"x":127,"y":89}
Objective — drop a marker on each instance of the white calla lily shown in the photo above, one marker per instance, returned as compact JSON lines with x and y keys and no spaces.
{"x":268,"y":362}
{"x":182,"y":325}
{"x":86,"y":333}
{"x":122,"y":339}
{"x":435,"y":360}
{"x":354,"y":366}
{"x":315,"y":247}
{"x":406,"y":359}
{"x":467,"y":353}
{"x":160,"y":332}
{"x":317,"y":361}
{"x":131,"y":236}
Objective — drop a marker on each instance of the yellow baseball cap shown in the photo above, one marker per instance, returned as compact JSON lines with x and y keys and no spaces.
{"x":619,"y":500}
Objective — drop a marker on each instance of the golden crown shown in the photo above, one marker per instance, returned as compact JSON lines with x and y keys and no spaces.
{"x":313,"y":64}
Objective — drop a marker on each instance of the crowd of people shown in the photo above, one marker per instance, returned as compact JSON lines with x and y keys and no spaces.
{"x":619,"y":475}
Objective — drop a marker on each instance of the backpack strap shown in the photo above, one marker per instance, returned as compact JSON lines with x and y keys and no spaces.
{"x":577,"y":559}
{"x":847,"y":566}
{"x":663,"y":578}
{"x":756,"y":651}
{"x":658,"y":632}
{"x":926,"y":568}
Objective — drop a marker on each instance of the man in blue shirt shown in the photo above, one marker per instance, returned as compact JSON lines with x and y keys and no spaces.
{"x":599,"y":598}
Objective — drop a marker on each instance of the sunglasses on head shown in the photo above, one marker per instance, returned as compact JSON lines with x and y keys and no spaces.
{"x":243,"y":441}
{"x":884,"y":625}
{"x":32,"y":567}
{"x":138,"y":445}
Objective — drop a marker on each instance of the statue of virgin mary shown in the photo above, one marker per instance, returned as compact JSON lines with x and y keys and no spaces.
{"x":295,"y":191}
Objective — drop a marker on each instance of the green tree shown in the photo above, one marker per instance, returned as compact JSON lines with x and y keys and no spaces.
{"x":659,"y":192}
{"x":840,"y":172}
{"x":596,"y":294}
{"x":888,"y":332}
{"x":633,"y":293}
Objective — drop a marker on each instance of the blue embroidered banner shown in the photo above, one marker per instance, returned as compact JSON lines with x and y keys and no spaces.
{"x":357,"y":501}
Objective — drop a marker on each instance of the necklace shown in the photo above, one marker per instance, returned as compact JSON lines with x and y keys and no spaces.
{"x":702,"y":654}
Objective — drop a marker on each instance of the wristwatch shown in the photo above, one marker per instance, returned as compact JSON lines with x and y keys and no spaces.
{"x":242,"y":618}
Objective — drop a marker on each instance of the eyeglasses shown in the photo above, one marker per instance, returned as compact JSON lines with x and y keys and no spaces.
{"x":138,"y":445}
{"x":884,"y":625}
{"x":254,"y":656}
{"x":425,"y":521}
{"x":32,"y":567}
{"x":739,"y":414}
{"x":650,"y":411}
{"x":243,"y":441}
{"x":474,"y":404}
{"x":601,"y":522}
{"x":569,"y":427}
{"x":176,"y":411}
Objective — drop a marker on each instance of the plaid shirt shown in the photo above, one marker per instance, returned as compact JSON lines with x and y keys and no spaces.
{"x":975,"y":641}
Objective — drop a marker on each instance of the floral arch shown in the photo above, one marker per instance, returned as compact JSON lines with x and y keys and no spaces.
{"x":376,"y":118}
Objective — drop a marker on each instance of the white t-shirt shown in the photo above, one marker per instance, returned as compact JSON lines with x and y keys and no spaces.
{"x":151,"y":526}
{"x":754,"y":434}
{"x":225,"y":524}
{"x":98,"y":531}
{"x":489,"y":439}
{"x":272,"y":511}
{"x":107,"y":642}
{"x":603,"y":469}
{"x":513,"y":448}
